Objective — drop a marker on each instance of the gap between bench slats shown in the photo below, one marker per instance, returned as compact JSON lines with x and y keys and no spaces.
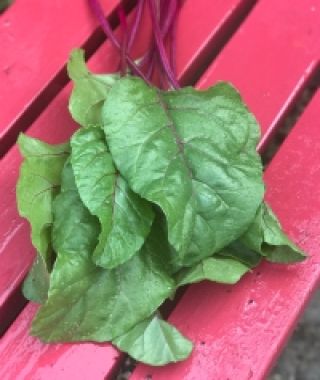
{"x":16,"y":252}
{"x":35,"y":40}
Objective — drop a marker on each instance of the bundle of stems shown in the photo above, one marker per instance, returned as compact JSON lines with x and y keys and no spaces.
{"x":159,"y":58}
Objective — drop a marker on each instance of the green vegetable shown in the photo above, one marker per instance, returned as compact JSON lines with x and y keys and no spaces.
{"x":75,"y":230}
{"x":86,"y":302}
{"x":38,"y":184}
{"x":191,"y":152}
{"x":265,"y":236}
{"x":160,"y":189}
{"x":155,"y":342}
{"x":217,"y":269}
{"x":240,"y":252}
{"x":89,"y":92}
{"x":125,"y":218}
{"x":36,"y":285}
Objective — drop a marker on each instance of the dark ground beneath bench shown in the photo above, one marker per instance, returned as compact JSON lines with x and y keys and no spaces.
{"x":300,"y":359}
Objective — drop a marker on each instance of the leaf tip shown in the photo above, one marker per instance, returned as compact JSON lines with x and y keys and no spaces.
{"x":76,"y":65}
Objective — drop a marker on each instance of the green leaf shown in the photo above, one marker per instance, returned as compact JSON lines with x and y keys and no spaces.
{"x":155,"y":342}
{"x":36,"y":285}
{"x":217,"y":269}
{"x":253,"y":238}
{"x":159,"y":237}
{"x":125,"y":218}
{"x":89,"y":92}
{"x":265,"y":236}
{"x":86,"y":302}
{"x":75,"y":231}
{"x":193,"y":153}
{"x":38,"y":184}
{"x":239,"y":251}
{"x":91,"y":303}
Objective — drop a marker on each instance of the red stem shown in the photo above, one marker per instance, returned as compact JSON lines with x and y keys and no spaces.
{"x":160,"y":46}
{"x":151,"y":65}
{"x":124,"y":42}
{"x":150,"y":60}
{"x":136,"y":23}
{"x":98,"y":11}
{"x":173,"y":41}
{"x":162,"y":24}
{"x":169,"y":18}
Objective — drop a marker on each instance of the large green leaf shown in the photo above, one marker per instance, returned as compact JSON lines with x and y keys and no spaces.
{"x":91,"y":303}
{"x":218,"y":269}
{"x":86,"y":302}
{"x":36,"y":285}
{"x":89,"y":92}
{"x":125,"y":218}
{"x":38,"y":184}
{"x":265,"y":236}
{"x":191,"y":152}
{"x":155,"y":342}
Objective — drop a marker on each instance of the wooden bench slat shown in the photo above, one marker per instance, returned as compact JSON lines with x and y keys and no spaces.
{"x":35,"y":40}
{"x":25,"y":358}
{"x":239,"y":330}
{"x":55,"y":125}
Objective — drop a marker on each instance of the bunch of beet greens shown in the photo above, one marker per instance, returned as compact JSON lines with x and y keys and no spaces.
{"x":157,"y":189}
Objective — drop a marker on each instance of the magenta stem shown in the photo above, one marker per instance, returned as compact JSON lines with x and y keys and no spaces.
{"x":136,"y":23}
{"x":173,"y":40}
{"x":151,"y":57}
{"x":160,"y":46}
{"x":151,"y":66}
{"x":98,"y":11}
{"x":169,"y":19}
{"x":124,"y":27}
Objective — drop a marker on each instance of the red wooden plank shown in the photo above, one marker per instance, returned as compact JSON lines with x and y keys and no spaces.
{"x":23,"y":357}
{"x":271,"y":57}
{"x":239,"y":330}
{"x":35,"y":40}
{"x":55,"y":125}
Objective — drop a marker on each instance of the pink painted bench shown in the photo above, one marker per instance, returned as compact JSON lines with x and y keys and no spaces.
{"x":270,"y":50}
